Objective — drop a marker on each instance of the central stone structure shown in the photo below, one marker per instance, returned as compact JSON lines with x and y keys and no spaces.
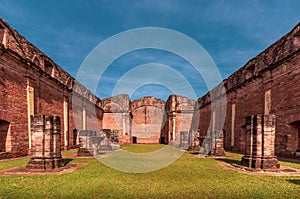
{"x":45,"y":143}
{"x":260,"y":142}
{"x":213,"y":143}
{"x":85,"y":139}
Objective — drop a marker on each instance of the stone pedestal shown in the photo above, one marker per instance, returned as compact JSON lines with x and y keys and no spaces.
{"x":105,"y":145}
{"x":86,"y":148}
{"x":92,"y":145}
{"x":260,"y":142}
{"x":213,"y":143}
{"x":218,"y":144}
{"x":45,"y":143}
{"x":195,"y":141}
{"x":184,"y":140}
{"x":207,"y":143}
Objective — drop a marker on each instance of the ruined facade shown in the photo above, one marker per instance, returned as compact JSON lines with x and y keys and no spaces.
{"x":45,"y":143}
{"x":32,"y":84}
{"x":267,"y":84}
{"x":149,"y":120}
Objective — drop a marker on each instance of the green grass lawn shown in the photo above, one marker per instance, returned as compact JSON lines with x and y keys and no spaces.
{"x":142,"y":148}
{"x":188,"y":177}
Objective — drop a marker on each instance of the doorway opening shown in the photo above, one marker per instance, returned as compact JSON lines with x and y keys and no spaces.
{"x":296,"y":126}
{"x":134,"y":140}
{"x":75,"y":133}
{"x":162,"y":140}
{"x":5,"y":144}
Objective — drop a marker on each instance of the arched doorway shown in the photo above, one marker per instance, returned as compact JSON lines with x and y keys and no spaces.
{"x":5,"y":144}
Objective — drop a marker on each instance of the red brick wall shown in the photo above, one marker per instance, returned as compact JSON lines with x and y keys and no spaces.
{"x":147,"y":119}
{"x":22,"y":64}
{"x":286,"y":105}
{"x":147,"y":123}
{"x":113,"y":121}
{"x":13,"y":105}
{"x":276,"y":69}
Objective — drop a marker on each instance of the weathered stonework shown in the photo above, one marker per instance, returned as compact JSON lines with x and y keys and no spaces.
{"x":180,"y":112}
{"x":213,"y":144}
{"x":117,"y":116}
{"x":45,"y":143}
{"x":32,"y":84}
{"x":260,"y":142}
{"x":87,"y":145}
{"x":148,"y":119}
{"x":93,"y":143}
{"x":267,"y":84}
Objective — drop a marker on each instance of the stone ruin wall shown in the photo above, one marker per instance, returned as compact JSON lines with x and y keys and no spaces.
{"x":267,"y":84}
{"x":117,"y":115}
{"x":180,"y":112}
{"x":23,"y":67}
{"x":148,"y":118}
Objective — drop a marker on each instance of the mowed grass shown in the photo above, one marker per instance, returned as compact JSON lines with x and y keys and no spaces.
{"x":188,"y":177}
{"x":142,"y":148}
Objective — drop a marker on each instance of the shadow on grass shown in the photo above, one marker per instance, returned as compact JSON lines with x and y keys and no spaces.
{"x":297,"y":182}
{"x":230,"y":161}
{"x":194,"y":152}
{"x":68,"y":160}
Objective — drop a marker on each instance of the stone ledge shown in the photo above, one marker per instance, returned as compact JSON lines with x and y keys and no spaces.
{"x":283,"y":171}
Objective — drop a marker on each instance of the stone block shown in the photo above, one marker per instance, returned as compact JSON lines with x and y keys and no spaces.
{"x":45,"y":143}
{"x":260,"y":142}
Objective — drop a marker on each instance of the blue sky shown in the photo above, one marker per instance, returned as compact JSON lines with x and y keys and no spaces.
{"x":232,"y":32}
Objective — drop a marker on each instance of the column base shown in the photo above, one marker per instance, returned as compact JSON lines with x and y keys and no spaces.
{"x":257,"y":162}
{"x":45,"y":164}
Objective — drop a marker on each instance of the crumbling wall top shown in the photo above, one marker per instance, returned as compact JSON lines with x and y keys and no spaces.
{"x":177,"y":103}
{"x":13,"y":42}
{"x":119,"y":103}
{"x":147,"y":101}
{"x":270,"y":58}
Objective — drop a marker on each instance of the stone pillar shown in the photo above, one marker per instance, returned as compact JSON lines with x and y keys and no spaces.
{"x":184,"y":140}
{"x":207,"y":143}
{"x":86,"y":144}
{"x":260,"y":142}
{"x":45,"y":143}
{"x":218,"y":144}
{"x":213,"y":143}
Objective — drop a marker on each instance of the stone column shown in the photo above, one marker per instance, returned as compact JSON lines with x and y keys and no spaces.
{"x":45,"y":143}
{"x":218,"y":144}
{"x":207,"y":143}
{"x":260,"y":142}
{"x":86,"y":145}
{"x":213,"y":143}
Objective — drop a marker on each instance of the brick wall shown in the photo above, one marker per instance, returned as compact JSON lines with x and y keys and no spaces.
{"x":22,"y":68}
{"x":267,"y":83}
{"x":147,"y":119}
{"x":275,"y":71}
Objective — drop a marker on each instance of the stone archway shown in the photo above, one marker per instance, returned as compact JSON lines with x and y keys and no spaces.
{"x":5,"y":145}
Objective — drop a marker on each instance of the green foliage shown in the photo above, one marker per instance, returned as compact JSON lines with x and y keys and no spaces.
{"x":188,"y":177}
